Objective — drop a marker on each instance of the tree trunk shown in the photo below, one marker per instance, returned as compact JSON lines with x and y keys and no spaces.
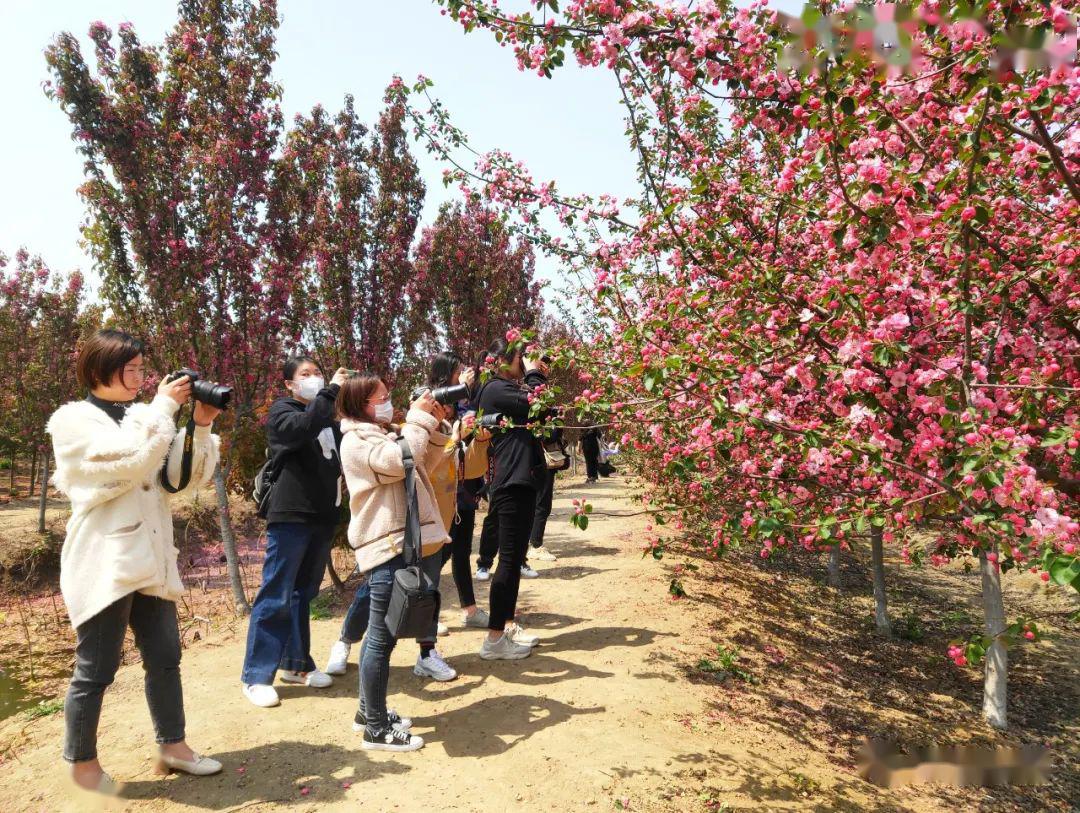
{"x":881,"y":600}
{"x":573,"y":457}
{"x":834,"y":566}
{"x":228,"y":542}
{"x":11,"y":474}
{"x":33,"y":472}
{"x":44,"y":492}
{"x":996,"y":679}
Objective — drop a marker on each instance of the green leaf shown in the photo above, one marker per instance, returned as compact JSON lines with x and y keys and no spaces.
{"x":1064,"y":570}
{"x":847,"y":104}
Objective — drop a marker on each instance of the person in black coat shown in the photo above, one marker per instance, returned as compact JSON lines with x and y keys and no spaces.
{"x":590,"y":447}
{"x":517,"y":473}
{"x":302,"y":512}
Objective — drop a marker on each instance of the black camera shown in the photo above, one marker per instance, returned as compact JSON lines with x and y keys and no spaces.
{"x":444,"y":395}
{"x":210,"y":393}
{"x":491,"y":420}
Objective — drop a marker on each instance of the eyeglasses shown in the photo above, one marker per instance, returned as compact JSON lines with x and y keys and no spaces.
{"x":137,"y":372}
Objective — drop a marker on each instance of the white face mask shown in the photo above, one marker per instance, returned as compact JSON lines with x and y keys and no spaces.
{"x":384,"y":413}
{"x":308,"y":388}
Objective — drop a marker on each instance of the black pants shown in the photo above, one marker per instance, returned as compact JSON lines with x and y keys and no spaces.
{"x":489,"y":539}
{"x":100,"y":643}
{"x":458,"y":551}
{"x":543,"y":508}
{"x":513,"y":508}
{"x":592,"y":459}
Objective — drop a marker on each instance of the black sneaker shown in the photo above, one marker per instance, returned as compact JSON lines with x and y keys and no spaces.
{"x":392,"y":717}
{"x":392,"y":739}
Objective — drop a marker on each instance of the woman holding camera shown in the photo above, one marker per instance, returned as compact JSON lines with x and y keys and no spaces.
{"x":516,"y":477}
{"x":301,"y":514}
{"x":118,"y":563}
{"x":466,"y":459}
{"x":374,"y":472}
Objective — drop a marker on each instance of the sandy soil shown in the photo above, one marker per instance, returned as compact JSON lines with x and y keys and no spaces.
{"x":613,"y":711}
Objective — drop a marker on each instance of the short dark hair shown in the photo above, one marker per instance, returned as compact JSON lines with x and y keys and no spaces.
{"x":355,"y":393}
{"x":442,"y":368}
{"x":104,"y":355}
{"x":292,"y":363}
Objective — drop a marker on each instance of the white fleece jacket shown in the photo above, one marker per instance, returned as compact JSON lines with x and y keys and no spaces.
{"x":120,"y":536}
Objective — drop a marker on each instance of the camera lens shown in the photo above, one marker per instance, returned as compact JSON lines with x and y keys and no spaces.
{"x":215,"y":395}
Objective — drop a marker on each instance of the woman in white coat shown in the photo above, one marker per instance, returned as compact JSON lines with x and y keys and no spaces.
{"x":118,"y":563}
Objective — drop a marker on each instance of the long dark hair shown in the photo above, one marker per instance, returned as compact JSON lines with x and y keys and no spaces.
{"x":442,"y":368}
{"x":502,"y":351}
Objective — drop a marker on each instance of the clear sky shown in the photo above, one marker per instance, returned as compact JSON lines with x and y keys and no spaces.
{"x":568,"y":128}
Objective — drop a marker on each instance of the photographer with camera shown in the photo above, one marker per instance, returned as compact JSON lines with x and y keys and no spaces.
{"x":301,"y":511}
{"x":118,"y":564}
{"x":374,"y":465}
{"x":516,"y":477}
{"x":453,"y":448}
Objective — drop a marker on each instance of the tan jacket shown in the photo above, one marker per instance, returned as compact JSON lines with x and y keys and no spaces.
{"x":374,"y":472}
{"x":120,"y":535}
{"x":442,"y":466}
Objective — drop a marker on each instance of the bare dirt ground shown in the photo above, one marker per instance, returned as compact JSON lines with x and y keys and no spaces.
{"x":623,"y":706}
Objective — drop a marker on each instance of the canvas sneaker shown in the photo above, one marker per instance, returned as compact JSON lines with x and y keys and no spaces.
{"x":392,"y":739}
{"x":504,"y":649}
{"x":339,"y":658}
{"x":543,"y":555}
{"x":483,"y":574}
{"x":433,"y":666}
{"x":395,"y":720}
{"x":528,"y":573}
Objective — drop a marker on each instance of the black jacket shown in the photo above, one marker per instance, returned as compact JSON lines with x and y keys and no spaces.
{"x":305,"y":483}
{"x":517,"y":453}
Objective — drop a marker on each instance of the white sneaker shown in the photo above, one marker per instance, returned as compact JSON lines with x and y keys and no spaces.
{"x":543,"y":555}
{"x":528,"y":573}
{"x":442,"y":629}
{"x":504,"y":649}
{"x":483,"y":574}
{"x":433,"y":666}
{"x":313,"y":679}
{"x":339,"y":658}
{"x":519,"y":635}
{"x":262,"y":695}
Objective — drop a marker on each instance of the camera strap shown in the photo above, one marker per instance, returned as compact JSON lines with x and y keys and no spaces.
{"x":411,"y":543}
{"x":185,"y":461}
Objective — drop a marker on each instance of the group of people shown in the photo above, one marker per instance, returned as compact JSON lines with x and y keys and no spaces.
{"x":116,"y":459}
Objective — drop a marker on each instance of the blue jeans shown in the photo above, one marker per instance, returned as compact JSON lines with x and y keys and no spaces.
{"x":378,"y":644}
{"x":358,"y":615}
{"x":279,"y":631}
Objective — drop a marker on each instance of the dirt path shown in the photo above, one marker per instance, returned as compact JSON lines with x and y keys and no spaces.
{"x":609,"y":713}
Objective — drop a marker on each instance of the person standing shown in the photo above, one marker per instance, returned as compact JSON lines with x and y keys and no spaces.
{"x":544,"y":499}
{"x":118,"y":564}
{"x":301,"y":515}
{"x":518,"y":464}
{"x":374,"y":470}
{"x":590,"y":447}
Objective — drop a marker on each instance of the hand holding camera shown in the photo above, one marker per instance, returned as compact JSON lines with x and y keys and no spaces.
{"x":210,"y":398}
{"x":341,"y":376}
{"x":177,"y":387}
{"x":425,"y":402}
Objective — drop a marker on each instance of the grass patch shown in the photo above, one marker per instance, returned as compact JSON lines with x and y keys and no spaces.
{"x":46,"y":708}
{"x":320,"y":606}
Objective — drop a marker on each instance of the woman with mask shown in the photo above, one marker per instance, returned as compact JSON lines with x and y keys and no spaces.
{"x":515,"y":479}
{"x":118,"y":565}
{"x":374,"y":471}
{"x":454,"y":451}
{"x":301,"y":515}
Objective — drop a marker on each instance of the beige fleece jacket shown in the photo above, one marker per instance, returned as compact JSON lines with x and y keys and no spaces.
{"x":375,"y":473}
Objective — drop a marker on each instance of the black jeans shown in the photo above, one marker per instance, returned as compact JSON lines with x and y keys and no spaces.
{"x":458,"y":551}
{"x":99,"y":645}
{"x":513,"y":508}
{"x":543,"y":508}
{"x":489,"y":539}
{"x":592,"y":459}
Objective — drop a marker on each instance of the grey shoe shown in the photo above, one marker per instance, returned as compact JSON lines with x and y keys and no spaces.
{"x":479,"y":619}
{"x":504,"y":649}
